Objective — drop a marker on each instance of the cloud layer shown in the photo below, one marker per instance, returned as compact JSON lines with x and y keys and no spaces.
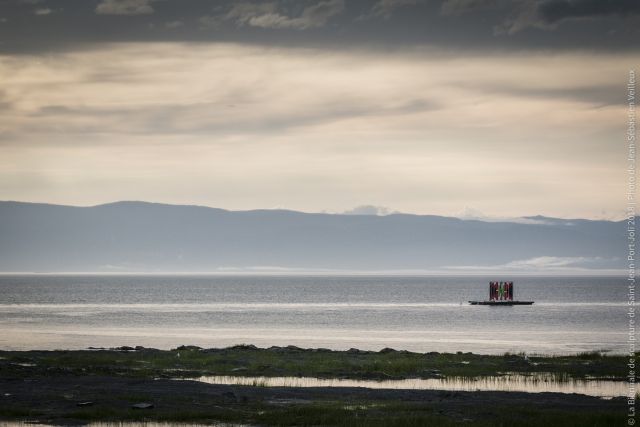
{"x":243,"y":127}
{"x":448,"y":24}
{"x":124,"y":7}
{"x":513,"y":107}
{"x":267,"y":15}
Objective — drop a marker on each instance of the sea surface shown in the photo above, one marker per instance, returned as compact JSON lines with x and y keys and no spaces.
{"x":570,"y":314}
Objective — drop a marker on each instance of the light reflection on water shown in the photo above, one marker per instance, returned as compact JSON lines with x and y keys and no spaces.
{"x":421,"y":313}
{"x":524,"y":383}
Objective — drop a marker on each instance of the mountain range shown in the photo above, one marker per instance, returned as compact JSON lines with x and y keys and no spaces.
{"x":150,"y":237}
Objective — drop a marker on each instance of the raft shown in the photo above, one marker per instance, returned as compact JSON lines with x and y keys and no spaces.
{"x":501,"y":302}
{"x":501,"y":294}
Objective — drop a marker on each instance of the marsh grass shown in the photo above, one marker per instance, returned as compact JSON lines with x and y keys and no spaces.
{"x":397,"y":414}
{"x":249,"y":361}
{"x":339,"y":413}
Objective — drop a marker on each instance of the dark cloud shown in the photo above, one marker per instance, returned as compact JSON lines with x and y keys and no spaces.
{"x":174,"y":24}
{"x":334,"y":24}
{"x":386,"y":8}
{"x":124,"y":7}
{"x":243,"y":12}
{"x":458,"y":7}
{"x":549,"y":14}
{"x":268,"y":15}
{"x":553,"y":11}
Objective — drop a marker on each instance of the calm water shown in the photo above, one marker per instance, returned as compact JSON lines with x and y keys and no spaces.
{"x":571,"y":314}
{"x":513,"y":382}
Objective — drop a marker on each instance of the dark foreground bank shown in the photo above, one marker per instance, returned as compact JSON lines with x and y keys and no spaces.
{"x":79,"y":387}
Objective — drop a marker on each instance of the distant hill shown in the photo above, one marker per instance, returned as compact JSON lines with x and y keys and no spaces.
{"x":138,"y":236}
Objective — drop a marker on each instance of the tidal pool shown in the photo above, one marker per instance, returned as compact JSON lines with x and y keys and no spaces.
{"x":538,"y":383}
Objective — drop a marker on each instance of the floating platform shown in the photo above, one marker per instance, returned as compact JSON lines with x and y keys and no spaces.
{"x":507,"y":302}
{"x":501,"y":293}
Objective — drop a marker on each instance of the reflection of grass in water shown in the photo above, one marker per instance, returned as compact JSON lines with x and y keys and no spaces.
{"x":252,"y":362}
{"x":509,"y":382}
{"x":259,"y":383}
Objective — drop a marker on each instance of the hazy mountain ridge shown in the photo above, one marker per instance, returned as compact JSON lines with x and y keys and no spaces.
{"x":139,"y":236}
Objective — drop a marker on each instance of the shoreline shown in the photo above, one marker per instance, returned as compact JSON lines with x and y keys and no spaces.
{"x":189,"y":361}
{"x":77,"y":387}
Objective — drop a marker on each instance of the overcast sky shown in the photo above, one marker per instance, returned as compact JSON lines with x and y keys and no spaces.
{"x":476,"y":107}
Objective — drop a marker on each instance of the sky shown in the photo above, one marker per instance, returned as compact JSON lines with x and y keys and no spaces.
{"x":472,"y":108}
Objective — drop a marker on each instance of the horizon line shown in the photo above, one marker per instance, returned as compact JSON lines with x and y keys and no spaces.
{"x":335,"y":273}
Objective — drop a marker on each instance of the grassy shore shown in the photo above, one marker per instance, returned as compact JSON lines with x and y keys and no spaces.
{"x":247,"y":360}
{"x":52,"y":386}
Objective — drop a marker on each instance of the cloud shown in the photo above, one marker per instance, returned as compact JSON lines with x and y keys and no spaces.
{"x":552,"y":11}
{"x":4,"y":103}
{"x":267,"y":15}
{"x":385,"y":8}
{"x":174,"y":24}
{"x":199,"y":117}
{"x":550,"y":262}
{"x":548,"y":14}
{"x":459,"y":7}
{"x":452,"y":25}
{"x":369,"y":210}
{"x":210,"y":21}
{"x":124,"y":7}
{"x":259,"y":127}
{"x":472,"y":214}
{"x":242,"y":12}
{"x":539,"y":264}
{"x":540,"y":14}
{"x":43,"y":11}
{"x":592,"y":94}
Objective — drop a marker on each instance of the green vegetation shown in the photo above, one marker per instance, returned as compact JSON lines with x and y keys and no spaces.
{"x":188,"y":362}
{"x":48,"y":386}
{"x":332,"y":413}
